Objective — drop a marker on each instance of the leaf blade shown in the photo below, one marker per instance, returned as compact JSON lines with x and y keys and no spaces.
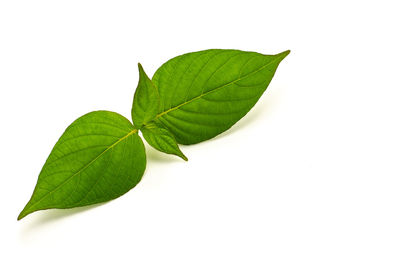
{"x":234,"y":80}
{"x":161,"y":139}
{"x":98,"y":148}
{"x":145,"y":101}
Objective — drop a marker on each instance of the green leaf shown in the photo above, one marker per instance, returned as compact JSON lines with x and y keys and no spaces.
{"x":146,"y":100}
{"x":161,"y":139}
{"x":98,"y":158}
{"x":202,"y":94}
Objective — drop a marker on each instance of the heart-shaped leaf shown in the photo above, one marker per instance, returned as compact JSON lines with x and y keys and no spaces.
{"x":98,"y":158}
{"x":202,"y":94}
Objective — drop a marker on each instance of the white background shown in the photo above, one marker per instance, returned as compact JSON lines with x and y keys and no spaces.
{"x":310,"y":177}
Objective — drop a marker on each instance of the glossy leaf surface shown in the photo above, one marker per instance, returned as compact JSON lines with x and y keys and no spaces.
{"x":202,"y":94}
{"x":99,"y":157}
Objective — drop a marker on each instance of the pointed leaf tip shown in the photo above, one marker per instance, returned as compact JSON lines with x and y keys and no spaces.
{"x":20,"y":216}
{"x":25,"y":211}
{"x":140,"y":67}
{"x":284,"y":54}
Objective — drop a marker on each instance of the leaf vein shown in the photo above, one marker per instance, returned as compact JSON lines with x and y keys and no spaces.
{"x":213,"y":90}
{"x":83,"y":168}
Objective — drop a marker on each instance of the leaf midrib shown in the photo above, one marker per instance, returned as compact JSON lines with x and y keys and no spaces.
{"x":215,"y":89}
{"x":78,"y":172}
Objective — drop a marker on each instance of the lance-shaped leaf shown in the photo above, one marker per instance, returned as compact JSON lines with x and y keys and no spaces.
{"x":146,"y":100}
{"x":161,"y":139}
{"x":98,"y":158}
{"x":202,"y":94}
